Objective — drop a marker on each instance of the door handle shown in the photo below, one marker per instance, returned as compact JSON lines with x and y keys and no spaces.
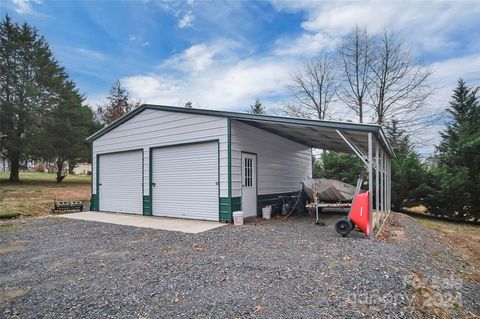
{"x":100,"y":184}
{"x":154,"y":184}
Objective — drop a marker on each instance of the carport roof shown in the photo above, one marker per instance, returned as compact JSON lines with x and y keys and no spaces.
{"x":320,"y":134}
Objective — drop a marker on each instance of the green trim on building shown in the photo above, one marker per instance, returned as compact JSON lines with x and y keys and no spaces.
{"x":94,"y":203}
{"x":227,"y":206}
{"x":229,"y":155}
{"x":150,"y":197}
{"x":147,"y":205}
{"x":96,"y":198}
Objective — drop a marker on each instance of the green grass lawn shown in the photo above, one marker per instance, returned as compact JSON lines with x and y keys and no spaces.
{"x":35,"y":193}
{"x":33,"y":177}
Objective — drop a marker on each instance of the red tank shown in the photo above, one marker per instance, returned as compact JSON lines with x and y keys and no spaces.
{"x":360,"y":212}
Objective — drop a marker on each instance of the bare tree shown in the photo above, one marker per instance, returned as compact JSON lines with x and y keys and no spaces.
{"x":399,"y":85}
{"x":119,"y":103}
{"x":354,"y":59}
{"x":313,"y":88}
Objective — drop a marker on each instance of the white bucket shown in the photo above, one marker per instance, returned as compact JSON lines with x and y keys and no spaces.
{"x":267,"y":212}
{"x":238,"y":218}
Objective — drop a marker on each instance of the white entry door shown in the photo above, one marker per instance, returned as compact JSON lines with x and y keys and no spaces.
{"x":249,"y":184}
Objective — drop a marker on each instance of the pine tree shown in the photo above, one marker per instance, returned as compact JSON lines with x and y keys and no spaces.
{"x":410,"y":177}
{"x":462,"y":107}
{"x":457,"y":178}
{"x":398,"y":138}
{"x":257,"y":108}
{"x":66,"y":126}
{"x":41,"y":112}
{"x":26,"y":70}
{"x":119,"y":103}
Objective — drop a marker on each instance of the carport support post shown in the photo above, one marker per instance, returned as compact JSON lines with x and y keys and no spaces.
{"x":382,"y":183}
{"x":389,"y":184}
{"x":377,"y":171}
{"x":370,"y":179}
{"x":384,"y":189}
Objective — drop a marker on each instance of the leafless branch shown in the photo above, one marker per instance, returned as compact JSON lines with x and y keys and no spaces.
{"x":313,"y":88}
{"x":354,"y":62}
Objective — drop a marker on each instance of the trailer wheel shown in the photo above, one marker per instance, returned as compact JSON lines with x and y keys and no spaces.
{"x":343,"y":227}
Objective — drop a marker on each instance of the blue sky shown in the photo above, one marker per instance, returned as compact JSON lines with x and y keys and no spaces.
{"x":223,"y":55}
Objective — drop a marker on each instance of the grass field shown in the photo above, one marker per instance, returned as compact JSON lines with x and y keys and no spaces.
{"x":35,"y":192}
{"x":447,"y":227}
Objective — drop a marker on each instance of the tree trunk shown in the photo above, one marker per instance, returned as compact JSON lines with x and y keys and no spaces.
{"x":14,"y":160}
{"x":60,"y":177}
{"x":360,"y":110}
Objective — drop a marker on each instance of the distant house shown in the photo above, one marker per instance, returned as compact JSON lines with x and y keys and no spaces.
{"x":83,"y":169}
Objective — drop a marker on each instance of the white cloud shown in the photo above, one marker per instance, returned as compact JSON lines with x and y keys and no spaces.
{"x":218,"y":81}
{"x":305,"y":45}
{"x":91,"y":54}
{"x":194,"y":59}
{"x":24,"y":6}
{"x":153,"y":88}
{"x":202,"y":56}
{"x":426,"y":24}
{"x":138,"y":40}
{"x":186,"y":21}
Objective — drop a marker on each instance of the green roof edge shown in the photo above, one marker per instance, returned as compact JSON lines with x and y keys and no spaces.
{"x":373,"y":128}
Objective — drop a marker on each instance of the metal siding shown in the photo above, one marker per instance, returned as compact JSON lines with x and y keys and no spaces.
{"x":186,"y":178}
{"x":281,"y":163}
{"x":120,"y":183}
{"x":153,"y":128}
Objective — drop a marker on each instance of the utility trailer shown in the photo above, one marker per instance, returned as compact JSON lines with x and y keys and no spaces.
{"x":330,"y":193}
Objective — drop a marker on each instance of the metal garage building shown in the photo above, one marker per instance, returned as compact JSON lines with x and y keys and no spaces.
{"x":204,"y":164}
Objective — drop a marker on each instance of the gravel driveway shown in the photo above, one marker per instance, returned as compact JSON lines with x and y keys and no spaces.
{"x":55,"y":268}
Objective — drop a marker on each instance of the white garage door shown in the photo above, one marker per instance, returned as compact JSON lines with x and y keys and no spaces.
{"x":120,"y":182}
{"x":185,"y":181}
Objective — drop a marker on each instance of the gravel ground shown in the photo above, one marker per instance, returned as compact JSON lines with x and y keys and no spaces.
{"x":57,"y":268}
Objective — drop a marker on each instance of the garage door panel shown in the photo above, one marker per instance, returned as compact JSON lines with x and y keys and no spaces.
{"x":121,"y":182}
{"x":186,"y":181}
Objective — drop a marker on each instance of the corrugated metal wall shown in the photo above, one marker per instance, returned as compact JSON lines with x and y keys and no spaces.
{"x":152,"y":128}
{"x":282,"y":163}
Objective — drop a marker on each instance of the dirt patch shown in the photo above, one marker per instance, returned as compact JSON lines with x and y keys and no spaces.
{"x":392,"y":229}
{"x":10,"y":294}
{"x":467,"y":244}
{"x":10,"y":248}
{"x":109,"y":254}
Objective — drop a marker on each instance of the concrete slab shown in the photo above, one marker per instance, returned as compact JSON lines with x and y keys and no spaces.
{"x":172,"y":224}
